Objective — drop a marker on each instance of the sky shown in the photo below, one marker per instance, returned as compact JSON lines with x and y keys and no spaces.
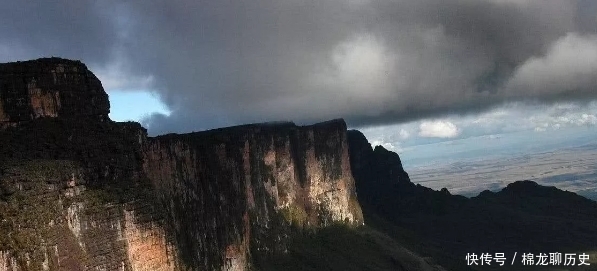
{"x":411,"y":74}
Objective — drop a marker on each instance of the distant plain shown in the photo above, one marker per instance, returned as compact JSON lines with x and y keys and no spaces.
{"x":573,"y":169}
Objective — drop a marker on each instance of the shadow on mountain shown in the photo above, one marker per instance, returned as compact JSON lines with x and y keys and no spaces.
{"x":339,"y":247}
{"x":524,"y":217}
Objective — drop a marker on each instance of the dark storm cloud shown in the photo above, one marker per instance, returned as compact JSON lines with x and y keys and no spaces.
{"x":74,"y":29}
{"x":217,"y":63}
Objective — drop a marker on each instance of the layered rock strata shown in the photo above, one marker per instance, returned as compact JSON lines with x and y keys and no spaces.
{"x":80,"y":192}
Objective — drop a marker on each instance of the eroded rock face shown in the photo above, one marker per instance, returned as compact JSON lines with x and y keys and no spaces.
{"x":147,"y":246}
{"x":252,"y":182}
{"x":102,"y":195}
{"x":51,"y":220}
{"x":50,"y":87}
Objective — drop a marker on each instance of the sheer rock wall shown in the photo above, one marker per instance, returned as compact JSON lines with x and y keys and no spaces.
{"x":80,"y":192}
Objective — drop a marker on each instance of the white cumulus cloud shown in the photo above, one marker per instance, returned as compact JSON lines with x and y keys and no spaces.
{"x":587,"y":119}
{"x":438,"y":128}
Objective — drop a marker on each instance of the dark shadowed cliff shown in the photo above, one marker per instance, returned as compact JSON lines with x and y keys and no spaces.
{"x":80,"y":192}
{"x":523,"y":217}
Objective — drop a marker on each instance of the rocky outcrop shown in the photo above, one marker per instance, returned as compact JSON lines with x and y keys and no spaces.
{"x":368,"y":161}
{"x":379,"y":172}
{"x":49,"y":87}
{"x":80,"y":192}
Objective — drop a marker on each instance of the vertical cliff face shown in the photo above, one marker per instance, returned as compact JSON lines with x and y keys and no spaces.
{"x":252,"y":182}
{"x":73,"y":195}
{"x":80,"y":192}
{"x":377,"y":164}
{"x":378,"y":172}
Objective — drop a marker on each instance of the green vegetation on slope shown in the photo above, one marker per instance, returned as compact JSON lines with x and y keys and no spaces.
{"x":343,"y":248}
